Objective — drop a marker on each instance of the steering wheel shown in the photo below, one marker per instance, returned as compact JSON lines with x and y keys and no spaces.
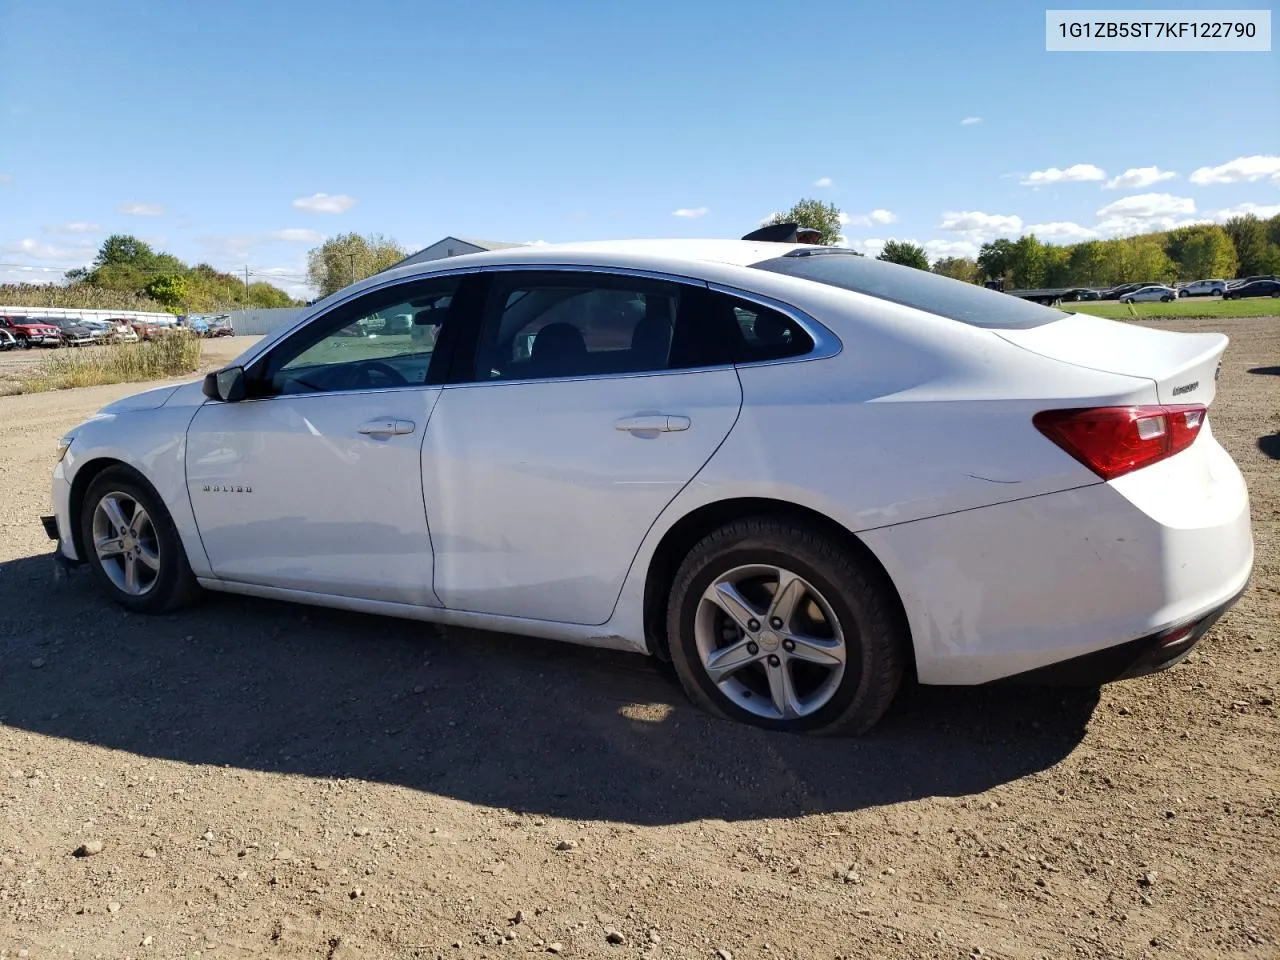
{"x":364,"y":374}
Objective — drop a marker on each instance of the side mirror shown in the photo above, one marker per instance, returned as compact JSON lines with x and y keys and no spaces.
{"x":227,"y":385}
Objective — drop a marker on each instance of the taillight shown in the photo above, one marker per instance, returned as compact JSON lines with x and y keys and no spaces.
{"x":1113,"y":441}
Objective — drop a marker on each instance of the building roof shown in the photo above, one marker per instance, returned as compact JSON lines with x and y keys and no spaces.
{"x":486,"y":244}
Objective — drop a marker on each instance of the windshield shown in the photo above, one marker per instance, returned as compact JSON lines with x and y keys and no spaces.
{"x":954,"y":299}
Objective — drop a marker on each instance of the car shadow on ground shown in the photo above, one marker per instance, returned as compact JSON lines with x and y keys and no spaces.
{"x":1270,"y":445}
{"x":510,"y":722}
{"x":1266,"y":371}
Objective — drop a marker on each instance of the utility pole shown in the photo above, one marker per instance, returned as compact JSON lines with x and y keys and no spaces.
{"x":352,"y":258}
{"x":246,"y":285}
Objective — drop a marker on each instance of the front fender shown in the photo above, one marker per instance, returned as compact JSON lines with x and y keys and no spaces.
{"x":152,"y":441}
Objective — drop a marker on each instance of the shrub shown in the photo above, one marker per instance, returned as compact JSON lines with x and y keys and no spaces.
{"x":168,"y":356}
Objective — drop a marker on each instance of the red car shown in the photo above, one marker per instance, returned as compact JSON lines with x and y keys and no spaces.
{"x":32,"y":332}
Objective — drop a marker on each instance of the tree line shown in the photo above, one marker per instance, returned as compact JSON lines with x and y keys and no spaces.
{"x":1243,"y":246}
{"x":129,"y":266}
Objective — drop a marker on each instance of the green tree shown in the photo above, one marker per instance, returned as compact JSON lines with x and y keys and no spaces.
{"x":124,"y":248}
{"x":815,"y":214}
{"x":1028,"y":263}
{"x":349,"y":257}
{"x":907,"y":254}
{"x":995,"y":259}
{"x":264,"y":295}
{"x":1202,"y":252}
{"x":1249,"y":236}
{"x":168,"y":289}
{"x":1088,"y":263}
{"x":1147,"y":260}
{"x":957,"y":268}
{"x":1057,"y":267}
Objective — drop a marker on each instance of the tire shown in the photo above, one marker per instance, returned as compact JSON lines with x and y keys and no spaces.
{"x":1166,"y":299}
{"x":23,"y":342}
{"x":1183,"y":293}
{"x":167,"y":585}
{"x":1127,"y":300}
{"x":856,"y":616}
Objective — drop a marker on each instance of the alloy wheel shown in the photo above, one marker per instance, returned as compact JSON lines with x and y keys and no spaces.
{"x":126,"y":544}
{"x":770,"y":641}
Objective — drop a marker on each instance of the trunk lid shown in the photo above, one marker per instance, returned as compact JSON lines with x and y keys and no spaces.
{"x":1183,"y":366}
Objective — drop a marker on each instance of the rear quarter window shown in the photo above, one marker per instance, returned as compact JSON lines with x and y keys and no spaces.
{"x":954,"y":299}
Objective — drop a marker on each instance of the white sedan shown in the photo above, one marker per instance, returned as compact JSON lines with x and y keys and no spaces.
{"x":1155,"y":292}
{"x":1203,"y":288}
{"x":797,"y":473}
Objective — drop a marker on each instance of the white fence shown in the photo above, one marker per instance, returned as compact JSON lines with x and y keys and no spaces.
{"x":84,"y":314}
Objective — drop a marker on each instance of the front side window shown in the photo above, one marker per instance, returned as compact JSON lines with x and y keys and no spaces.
{"x":566,"y":324}
{"x":384,"y":339}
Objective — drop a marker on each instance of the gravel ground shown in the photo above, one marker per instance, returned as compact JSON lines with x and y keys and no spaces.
{"x":256,"y":779}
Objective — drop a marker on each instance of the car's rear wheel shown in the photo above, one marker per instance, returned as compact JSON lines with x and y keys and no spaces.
{"x":132,"y":544}
{"x":1183,"y":293}
{"x":775,"y":624}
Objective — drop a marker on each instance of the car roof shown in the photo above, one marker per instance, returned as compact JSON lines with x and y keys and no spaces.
{"x":739,"y":253}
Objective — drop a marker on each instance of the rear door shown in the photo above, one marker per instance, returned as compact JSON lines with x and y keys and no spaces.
{"x":583,"y":404}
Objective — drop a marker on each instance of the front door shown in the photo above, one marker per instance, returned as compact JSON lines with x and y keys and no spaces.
{"x":314,"y":482}
{"x":591,"y":400}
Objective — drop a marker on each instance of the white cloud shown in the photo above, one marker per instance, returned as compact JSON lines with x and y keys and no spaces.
{"x":325,"y":203}
{"x":297,"y":235}
{"x":1061,"y":230}
{"x":31,"y":274}
{"x":77,"y":227}
{"x":1260,"y":210}
{"x":970,"y":121}
{"x":950,"y":248}
{"x":1144,"y":212}
{"x":690,"y":213}
{"x":766,"y":220}
{"x":1076,"y":173}
{"x":976,"y":226}
{"x":38,"y":250}
{"x":871,"y":247}
{"x":1137,"y":177}
{"x":875,"y":216}
{"x":142,"y":209}
{"x":824,"y":182}
{"x":1240,"y":170}
{"x":5,"y":178}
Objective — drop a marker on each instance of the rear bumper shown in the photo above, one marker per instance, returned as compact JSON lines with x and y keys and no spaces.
{"x":1137,"y":658}
{"x":1091,"y":581}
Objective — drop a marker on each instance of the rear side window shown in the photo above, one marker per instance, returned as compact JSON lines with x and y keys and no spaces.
{"x":910,"y":287}
{"x":766,"y":334}
{"x":541,"y":325}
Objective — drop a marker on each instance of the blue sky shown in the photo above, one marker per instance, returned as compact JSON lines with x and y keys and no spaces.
{"x":241,"y":133}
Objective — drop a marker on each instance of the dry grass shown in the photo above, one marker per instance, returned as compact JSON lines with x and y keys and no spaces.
{"x":168,"y":356}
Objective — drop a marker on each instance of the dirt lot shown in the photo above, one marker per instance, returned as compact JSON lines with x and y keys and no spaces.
{"x":268,"y":780}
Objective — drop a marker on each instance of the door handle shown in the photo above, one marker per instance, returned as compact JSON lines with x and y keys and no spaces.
{"x":657,"y":423}
{"x":386,"y":427}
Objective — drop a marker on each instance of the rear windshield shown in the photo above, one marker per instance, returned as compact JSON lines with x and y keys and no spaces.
{"x":955,"y":299}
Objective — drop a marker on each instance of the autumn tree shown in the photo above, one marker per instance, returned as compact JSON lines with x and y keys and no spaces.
{"x":905,"y":253}
{"x":349,"y":257}
{"x":957,"y":268}
{"x":815,"y":214}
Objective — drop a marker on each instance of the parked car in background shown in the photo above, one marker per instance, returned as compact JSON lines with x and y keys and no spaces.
{"x":1257,"y":288}
{"x":221,"y":327}
{"x":1157,"y":291}
{"x":122,"y":330}
{"x":799,"y":474}
{"x":7,"y":342}
{"x":32,"y":331}
{"x":74,"y":333}
{"x":1203,"y":288}
{"x":1118,"y":291}
{"x":1244,"y":280}
{"x":199,"y":326}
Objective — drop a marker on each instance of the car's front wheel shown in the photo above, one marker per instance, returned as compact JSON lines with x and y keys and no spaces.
{"x":132,"y":544}
{"x":1167,"y":298}
{"x":775,"y":624}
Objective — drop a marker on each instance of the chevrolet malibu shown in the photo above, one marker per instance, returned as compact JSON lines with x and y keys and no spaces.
{"x":798,"y":474}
